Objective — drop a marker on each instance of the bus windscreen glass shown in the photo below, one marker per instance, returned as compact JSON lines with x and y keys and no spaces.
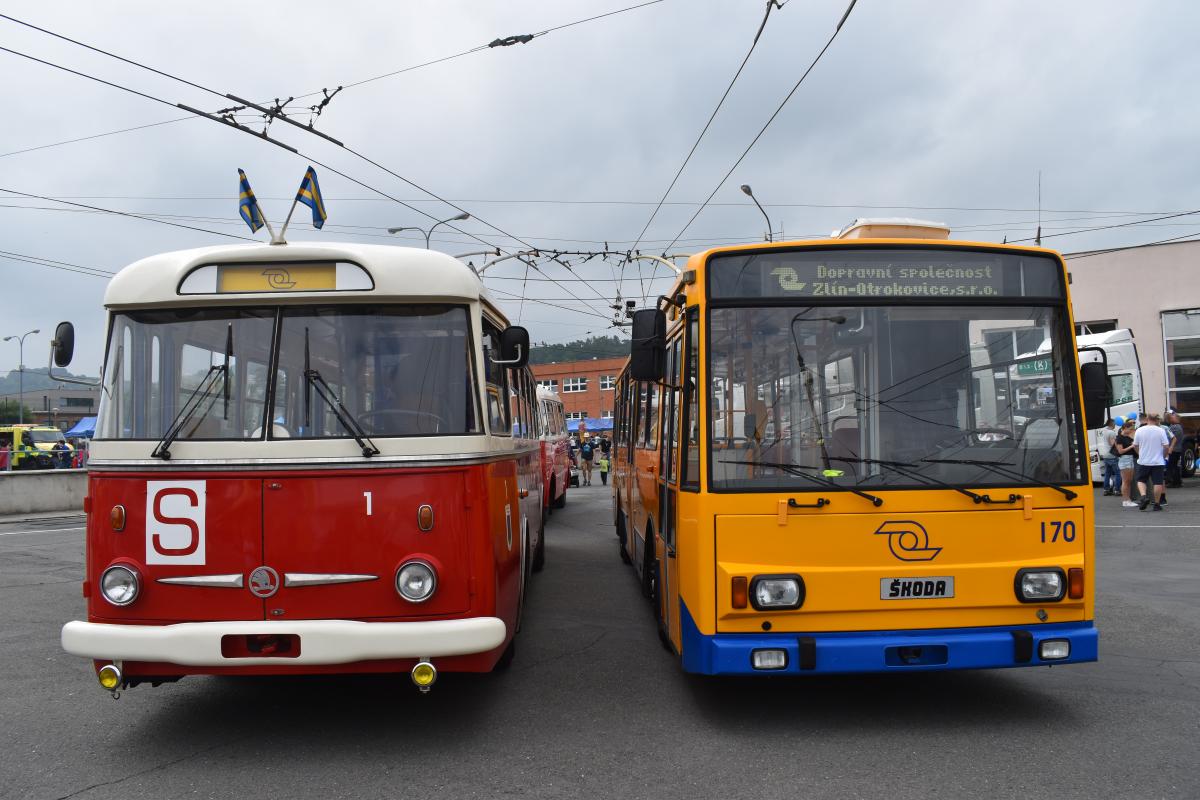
{"x":398,"y":370}
{"x":884,"y":273}
{"x":821,"y":397}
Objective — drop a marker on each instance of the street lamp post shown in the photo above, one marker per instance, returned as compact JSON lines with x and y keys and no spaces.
{"x":750,"y":193}
{"x":429,"y":233}
{"x":21,"y":372}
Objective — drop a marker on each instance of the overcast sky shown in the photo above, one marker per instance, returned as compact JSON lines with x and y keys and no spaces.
{"x":941,"y":110}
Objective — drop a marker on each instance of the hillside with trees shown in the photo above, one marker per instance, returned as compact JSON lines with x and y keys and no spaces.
{"x":35,"y":379}
{"x":579,"y":350}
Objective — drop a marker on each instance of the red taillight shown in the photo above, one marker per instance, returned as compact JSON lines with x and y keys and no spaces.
{"x":1075,"y":583}
{"x":740,"y":591}
{"x":260,"y":645}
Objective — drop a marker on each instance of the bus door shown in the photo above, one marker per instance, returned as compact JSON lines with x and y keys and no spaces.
{"x":668,"y":610}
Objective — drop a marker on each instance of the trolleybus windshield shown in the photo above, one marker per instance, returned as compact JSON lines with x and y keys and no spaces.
{"x":399,"y":370}
{"x":889,"y":366}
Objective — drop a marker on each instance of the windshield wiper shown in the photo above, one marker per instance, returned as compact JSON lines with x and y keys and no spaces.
{"x":795,"y":469}
{"x":201,"y":393}
{"x":904,"y":468}
{"x":312,"y":377}
{"x":996,"y":469}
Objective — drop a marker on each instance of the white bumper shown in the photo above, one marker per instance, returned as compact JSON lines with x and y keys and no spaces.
{"x":334,"y":641}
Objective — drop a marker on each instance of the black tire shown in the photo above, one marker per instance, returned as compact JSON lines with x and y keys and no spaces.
{"x":1187,"y":461}
{"x":560,"y":501}
{"x":539,"y":554}
{"x":621,"y":537}
{"x":648,"y":558}
{"x":506,"y":658}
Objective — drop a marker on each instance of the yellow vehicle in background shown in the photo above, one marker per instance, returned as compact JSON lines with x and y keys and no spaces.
{"x":820,"y":464}
{"x":32,"y":446}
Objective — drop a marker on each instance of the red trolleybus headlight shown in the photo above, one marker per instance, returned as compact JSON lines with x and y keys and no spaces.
{"x":416,"y":581}
{"x":776,"y":592}
{"x":120,"y":585}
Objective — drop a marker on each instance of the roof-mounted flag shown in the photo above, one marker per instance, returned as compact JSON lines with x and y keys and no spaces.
{"x":310,"y":195}
{"x":248,"y":204}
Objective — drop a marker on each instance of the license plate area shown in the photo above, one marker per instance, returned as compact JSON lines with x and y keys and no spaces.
{"x":922,"y":655}
{"x":261,"y":645}
{"x":916,"y":588}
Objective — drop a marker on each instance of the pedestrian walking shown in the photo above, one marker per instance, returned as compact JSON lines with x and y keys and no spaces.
{"x":1108,"y":458}
{"x":1152,"y":444}
{"x":603,"y":464}
{"x":586,"y":452}
{"x":1126,"y":457}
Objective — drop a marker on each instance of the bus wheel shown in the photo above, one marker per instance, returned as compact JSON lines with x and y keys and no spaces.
{"x":1187,"y":461}
{"x":561,"y":500}
{"x":621,"y":536}
{"x":539,"y":554}
{"x":648,"y":560}
{"x":506,"y":658}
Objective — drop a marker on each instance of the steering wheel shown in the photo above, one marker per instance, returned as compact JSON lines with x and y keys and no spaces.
{"x":369,"y":420}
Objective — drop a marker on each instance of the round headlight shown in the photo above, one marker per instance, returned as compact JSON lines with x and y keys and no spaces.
{"x":120,"y":585}
{"x":415,"y":581}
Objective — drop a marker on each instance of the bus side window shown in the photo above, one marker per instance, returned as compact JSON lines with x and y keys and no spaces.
{"x":496,"y":383}
{"x":689,"y":461}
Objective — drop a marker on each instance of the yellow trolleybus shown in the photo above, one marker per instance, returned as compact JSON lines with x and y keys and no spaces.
{"x":821,"y":465}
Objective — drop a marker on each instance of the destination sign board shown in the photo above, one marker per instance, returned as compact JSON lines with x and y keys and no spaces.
{"x":903,"y":274}
{"x":1035,"y":366}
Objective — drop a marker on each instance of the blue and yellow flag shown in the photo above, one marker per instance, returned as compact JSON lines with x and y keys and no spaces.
{"x":248,"y":204}
{"x":310,"y":195}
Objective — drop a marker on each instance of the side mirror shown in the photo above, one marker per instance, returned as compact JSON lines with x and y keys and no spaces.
{"x":514,"y":347}
{"x":648,"y":350}
{"x":1096,"y":393}
{"x":63,"y":345}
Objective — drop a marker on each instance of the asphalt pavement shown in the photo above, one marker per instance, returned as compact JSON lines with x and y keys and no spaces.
{"x":594,"y":707}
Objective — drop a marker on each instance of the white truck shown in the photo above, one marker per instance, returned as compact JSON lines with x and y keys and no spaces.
{"x":1125,"y":380}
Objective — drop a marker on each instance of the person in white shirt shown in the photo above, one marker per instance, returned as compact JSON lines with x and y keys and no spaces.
{"x":1152,"y":445}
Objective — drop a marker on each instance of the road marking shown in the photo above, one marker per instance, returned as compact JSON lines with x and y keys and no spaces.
{"x":44,"y":530}
{"x":1148,"y":526}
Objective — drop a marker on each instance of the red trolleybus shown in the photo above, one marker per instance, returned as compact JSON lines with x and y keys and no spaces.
{"x":308,"y":459}
{"x":556,"y":451}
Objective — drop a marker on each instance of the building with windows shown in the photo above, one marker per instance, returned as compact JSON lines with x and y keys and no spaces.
{"x":60,"y":407}
{"x":1155,"y":292}
{"x":586,"y":387}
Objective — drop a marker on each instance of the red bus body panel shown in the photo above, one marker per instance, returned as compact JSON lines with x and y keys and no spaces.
{"x":309,"y":522}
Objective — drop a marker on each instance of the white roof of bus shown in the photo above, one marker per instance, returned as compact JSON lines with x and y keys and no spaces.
{"x":547,"y":394}
{"x":397,"y":271}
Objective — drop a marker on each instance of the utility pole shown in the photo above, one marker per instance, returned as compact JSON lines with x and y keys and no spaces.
{"x":21,"y":373}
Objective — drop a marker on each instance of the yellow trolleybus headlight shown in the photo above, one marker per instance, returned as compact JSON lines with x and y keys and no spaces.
{"x":1040,"y":585}
{"x":771,"y":592}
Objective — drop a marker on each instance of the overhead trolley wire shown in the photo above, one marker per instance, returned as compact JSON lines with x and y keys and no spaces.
{"x":319,"y":163}
{"x":353,"y":84}
{"x":770,"y":4}
{"x":767,"y":124}
{"x":126,"y":214}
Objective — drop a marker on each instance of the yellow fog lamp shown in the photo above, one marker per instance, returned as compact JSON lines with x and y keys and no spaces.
{"x":110,"y":677}
{"x":423,"y":675}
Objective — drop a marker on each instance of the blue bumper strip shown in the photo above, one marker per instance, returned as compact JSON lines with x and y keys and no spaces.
{"x":883,"y":651}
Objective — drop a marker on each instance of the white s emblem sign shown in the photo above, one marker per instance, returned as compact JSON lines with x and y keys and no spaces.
{"x":175,"y":522}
